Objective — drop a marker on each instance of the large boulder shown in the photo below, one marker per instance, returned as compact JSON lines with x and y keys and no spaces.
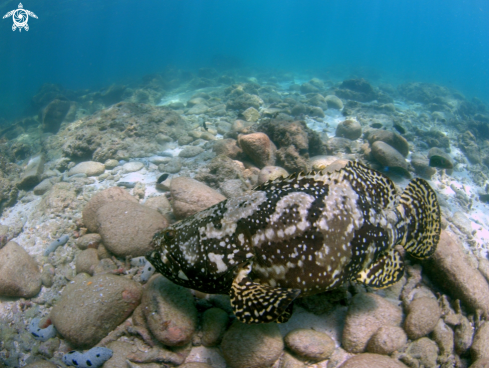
{"x":19,"y":273}
{"x":91,"y":307}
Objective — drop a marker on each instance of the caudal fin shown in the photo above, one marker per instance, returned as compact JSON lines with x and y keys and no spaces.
{"x":422,"y":219}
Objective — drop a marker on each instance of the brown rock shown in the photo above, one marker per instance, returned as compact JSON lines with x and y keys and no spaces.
{"x":480,"y":363}
{"x":89,"y":168}
{"x":214,"y":324}
{"x":366,"y":314}
{"x":227,"y":147}
{"x":309,"y":344}
{"x":422,"y":318}
{"x":91,"y":307}
{"x":391,"y":138}
{"x":371,"y":361}
{"x":259,"y":148}
{"x":169,"y":311}
{"x":89,"y":241}
{"x":388,"y":156}
{"x":387,"y":340}
{"x":425,"y":351}
{"x":191,"y":196}
{"x":480,"y":345}
{"x":127,"y":228}
{"x":32,"y":173}
{"x":195,"y":365}
{"x":19,"y":273}
{"x":252,"y":346}
{"x":86,"y":261}
{"x":450,"y":268}
{"x":271,"y":173}
{"x":98,"y":200}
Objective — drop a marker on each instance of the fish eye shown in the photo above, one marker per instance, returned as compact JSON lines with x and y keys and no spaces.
{"x":169,"y":234}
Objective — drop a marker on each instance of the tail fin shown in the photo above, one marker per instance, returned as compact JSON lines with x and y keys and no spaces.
{"x":422,"y":219}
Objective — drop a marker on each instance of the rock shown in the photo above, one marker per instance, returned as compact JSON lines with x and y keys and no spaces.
{"x":450,"y":269}
{"x":462,"y":222}
{"x":227,"y":147}
{"x":198,"y":109}
{"x":350,"y":129}
{"x":54,"y":114}
{"x":190,"y":196}
{"x":389,"y":156}
{"x":386,"y":340}
{"x":190,"y":151}
{"x":480,"y":345}
{"x":214,"y":324}
{"x":271,"y":173}
{"x":391,"y":138}
{"x":422,"y":318}
{"x":319,"y":163}
{"x":127,"y":228}
{"x":463,"y":336}
{"x":357,"y":90}
{"x":425,"y":351}
{"x":252,"y":346}
{"x":309,"y":344}
{"x":333,"y":102}
{"x":195,"y":365}
{"x":159,"y":203}
{"x":232,"y":188}
{"x":480,"y":363}
{"x":308,"y":88}
{"x":111,"y":163}
{"x":98,"y":200}
{"x":439,"y":158}
{"x":169,"y":311}
{"x":88,"y":241}
{"x":32,"y":173}
{"x":318,"y":83}
{"x":19,"y":273}
{"x":120,"y":351}
{"x":172,"y":167}
{"x":371,"y":361}
{"x":91,"y":307}
{"x":366,"y":314}
{"x":444,"y":338}
{"x":43,"y":187}
{"x":41,"y":364}
{"x":335,"y":145}
{"x":422,"y":166}
{"x":316,"y":111}
{"x":86,"y":261}
{"x":259,"y":148}
{"x":289,"y":361}
{"x":246,"y":100}
{"x":57,"y":199}
{"x":132,"y":166}
{"x":251,"y":114}
{"x":90,"y":168}
{"x":298,"y":109}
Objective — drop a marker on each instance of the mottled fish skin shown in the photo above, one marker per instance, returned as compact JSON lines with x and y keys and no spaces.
{"x":305,"y":232}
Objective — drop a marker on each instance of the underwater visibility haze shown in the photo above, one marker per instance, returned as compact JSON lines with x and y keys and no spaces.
{"x":244,"y":183}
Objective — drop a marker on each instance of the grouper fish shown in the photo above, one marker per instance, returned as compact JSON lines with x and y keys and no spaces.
{"x":298,"y":236}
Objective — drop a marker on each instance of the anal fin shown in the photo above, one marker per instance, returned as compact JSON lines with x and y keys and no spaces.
{"x":384,"y":272}
{"x":256,"y":303}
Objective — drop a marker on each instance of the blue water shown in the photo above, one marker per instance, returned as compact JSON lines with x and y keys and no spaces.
{"x":91,"y":44}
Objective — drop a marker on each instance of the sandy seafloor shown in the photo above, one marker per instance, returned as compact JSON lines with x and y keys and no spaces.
{"x":37,"y":233}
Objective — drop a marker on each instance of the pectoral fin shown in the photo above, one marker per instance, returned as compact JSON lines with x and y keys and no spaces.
{"x":387,"y":270}
{"x":256,"y":303}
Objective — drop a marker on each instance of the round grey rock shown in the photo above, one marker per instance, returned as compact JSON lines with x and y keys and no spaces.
{"x":252,"y":346}
{"x":127,"y":228}
{"x":89,"y":168}
{"x":132,"y":166}
{"x":190,"y":151}
{"x":91,"y":307}
{"x":19,"y":273}
{"x":334,"y":102}
{"x":309,"y":344}
{"x":391,"y":138}
{"x":350,"y":129}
